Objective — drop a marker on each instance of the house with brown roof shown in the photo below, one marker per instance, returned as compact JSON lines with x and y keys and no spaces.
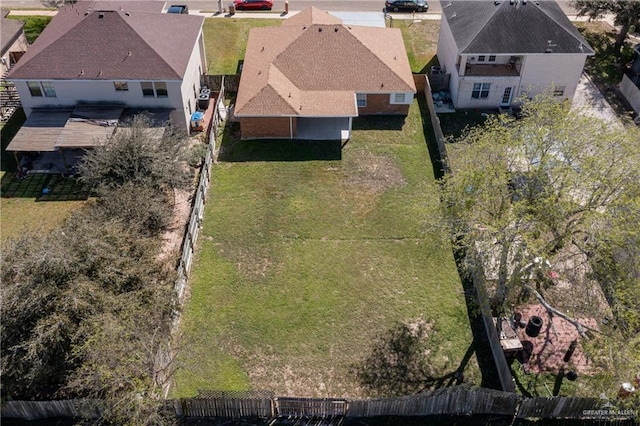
{"x":309,"y":78}
{"x":118,"y":54}
{"x":13,"y":42}
{"x":496,"y":51}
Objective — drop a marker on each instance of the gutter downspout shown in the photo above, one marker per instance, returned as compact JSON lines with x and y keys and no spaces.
{"x":290,"y":127}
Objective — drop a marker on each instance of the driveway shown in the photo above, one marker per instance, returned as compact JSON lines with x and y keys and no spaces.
{"x":590,"y":100}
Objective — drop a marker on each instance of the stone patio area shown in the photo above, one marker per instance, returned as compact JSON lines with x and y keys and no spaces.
{"x":548,"y":349}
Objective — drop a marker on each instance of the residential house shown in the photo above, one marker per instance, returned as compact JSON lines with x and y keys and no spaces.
{"x":13,"y":42}
{"x":630,"y":85}
{"x":117,"y":53}
{"x":498,"y":50}
{"x":308,"y":78}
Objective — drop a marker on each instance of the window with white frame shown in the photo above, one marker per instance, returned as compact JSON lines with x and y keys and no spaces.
{"x":121,"y":86}
{"x":154,"y":89}
{"x":147,"y":88}
{"x":161,"y":89}
{"x":399,"y":98}
{"x":481,"y":58}
{"x":48,"y":89}
{"x":559,"y":91}
{"x":34,"y":88}
{"x":480,"y":90}
{"x":492,"y":58}
{"x":361,"y":99}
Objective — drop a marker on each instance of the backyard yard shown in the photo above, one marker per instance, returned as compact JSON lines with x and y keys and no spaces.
{"x":307,"y":268}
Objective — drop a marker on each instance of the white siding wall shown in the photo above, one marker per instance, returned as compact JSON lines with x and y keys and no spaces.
{"x":197,"y":65}
{"x":544,"y":70}
{"x":71,"y":92}
{"x":498,"y":84}
{"x":20,"y":45}
{"x":448,"y":56}
{"x":631,"y":93}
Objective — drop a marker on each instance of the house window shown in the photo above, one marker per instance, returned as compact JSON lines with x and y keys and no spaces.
{"x":492,"y":58}
{"x":361,"y":98}
{"x":398,"y":98}
{"x":49,"y":91}
{"x":121,"y":86}
{"x":559,"y":91}
{"x":34,"y":88}
{"x":147,"y":88}
{"x":481,"y":58}
{"x":161,"y":89}
{"x":480,"y":90}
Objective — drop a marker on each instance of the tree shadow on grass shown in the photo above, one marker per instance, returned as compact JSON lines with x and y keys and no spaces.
{"x":409,"y":360}
{"x":233,"y":149}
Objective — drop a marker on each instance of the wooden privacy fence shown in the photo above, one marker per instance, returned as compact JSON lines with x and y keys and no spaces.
{"x":447,"y":401}
{"x":437,"y":129}
{"x":227,"y":82}
{"x":456,"y":402}
{"x":31,"y":410}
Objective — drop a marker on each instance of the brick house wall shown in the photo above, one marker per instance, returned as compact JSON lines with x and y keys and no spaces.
{"x":267,"y":127}
{"x":379,"y":104}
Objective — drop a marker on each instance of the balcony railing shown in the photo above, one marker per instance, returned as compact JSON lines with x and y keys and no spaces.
{"x":493,"y":70}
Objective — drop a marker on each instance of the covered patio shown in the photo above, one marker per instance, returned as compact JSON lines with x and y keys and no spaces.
{"x":331,"y":128}
{"x":52,"y":141}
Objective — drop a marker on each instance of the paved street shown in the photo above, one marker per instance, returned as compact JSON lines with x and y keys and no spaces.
{"x":329,"y":5}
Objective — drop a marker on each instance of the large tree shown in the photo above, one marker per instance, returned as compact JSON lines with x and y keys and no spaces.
{"x":553,"y":181}
{"x":86,"y":310}
{"x":626,"y":14}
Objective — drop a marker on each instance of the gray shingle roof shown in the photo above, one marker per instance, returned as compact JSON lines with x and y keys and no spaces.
{"x":89,"y":44}
{"x":512,"y":27}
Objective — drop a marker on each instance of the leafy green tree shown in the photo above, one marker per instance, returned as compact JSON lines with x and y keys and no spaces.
{"x":523,"y":190}
{"x":626,"y":14}
{"x":139,"y":154}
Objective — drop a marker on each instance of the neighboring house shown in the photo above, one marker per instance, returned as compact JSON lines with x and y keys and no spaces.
{"x":496,"y":51}
{"x":14,"y":42}
{"x":630,"y":84}
{"x":308,"y":78}
{"x":126,"y":54}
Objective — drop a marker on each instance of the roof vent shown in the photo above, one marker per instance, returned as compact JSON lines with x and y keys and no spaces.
{"x":319,"y":29}
{"x":335,"y":29}
{"x":127,"y":13}
{"x":101,"y":15}
{"x":86,"y":13}
{"x":496,"y":3}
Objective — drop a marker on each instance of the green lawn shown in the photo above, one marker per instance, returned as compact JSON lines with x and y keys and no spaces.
{"x":421,"y":42}
{"x":33,"y":25}
{"x":22,"y":205}
{"x":226,"y":41}
{"x":305,"y":267}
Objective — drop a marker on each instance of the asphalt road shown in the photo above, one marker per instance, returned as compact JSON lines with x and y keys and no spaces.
{"x":329,"y":5}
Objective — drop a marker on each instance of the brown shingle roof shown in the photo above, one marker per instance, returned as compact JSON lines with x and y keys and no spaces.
{"x":88,"y":44}
{"x":313,"y":65}
{"x":10,"y":30}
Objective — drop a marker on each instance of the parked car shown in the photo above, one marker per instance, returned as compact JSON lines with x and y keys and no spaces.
{"x":178,"y":8}
{"x":406,"y":6}
{"x":253,"y":4}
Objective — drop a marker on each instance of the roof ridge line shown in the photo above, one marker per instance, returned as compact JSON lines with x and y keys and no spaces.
{"x":571,"y":33}
{"x":271,"y":65}
{"x":120,"y":13}
{"x":373,"y":53}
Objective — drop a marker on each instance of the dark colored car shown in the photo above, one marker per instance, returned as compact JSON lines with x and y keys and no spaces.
{"x":178,"y":8}
{"x":253,"y":4}
{"x":406,"y":6}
